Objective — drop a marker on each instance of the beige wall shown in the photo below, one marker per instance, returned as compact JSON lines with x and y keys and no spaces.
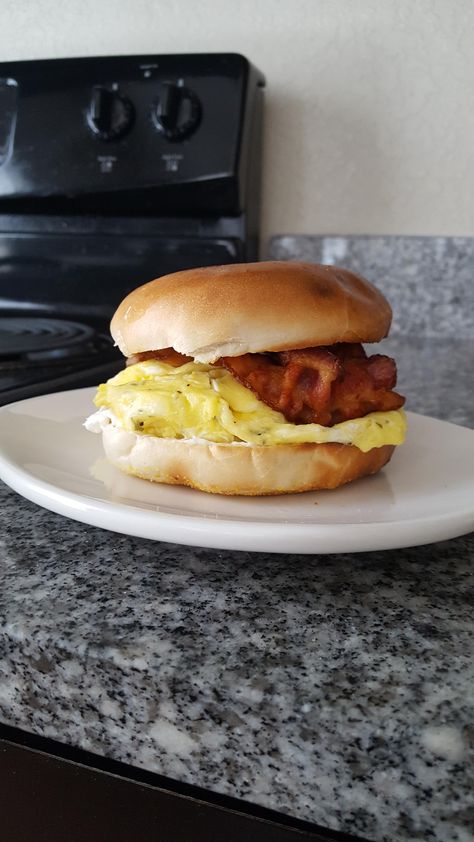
{"x":370,"y":103}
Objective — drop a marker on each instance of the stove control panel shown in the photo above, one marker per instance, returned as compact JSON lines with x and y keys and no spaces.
{"x":156,"y":133}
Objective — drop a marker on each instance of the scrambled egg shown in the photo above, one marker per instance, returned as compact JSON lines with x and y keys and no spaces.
{"x":199,"y":401}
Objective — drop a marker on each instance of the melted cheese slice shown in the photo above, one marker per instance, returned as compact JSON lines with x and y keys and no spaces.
{"x":199,"y":401}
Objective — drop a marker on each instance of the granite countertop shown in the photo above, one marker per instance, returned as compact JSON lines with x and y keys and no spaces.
{"x":337,"y":689}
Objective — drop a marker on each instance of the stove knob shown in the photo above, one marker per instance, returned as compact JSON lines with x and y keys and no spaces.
{"x":109,"y":115}
{"x":177,"y":111}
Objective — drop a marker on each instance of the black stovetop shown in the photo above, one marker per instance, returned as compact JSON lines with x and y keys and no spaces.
{"x":40,"y":355}
{"x":114,"y":171}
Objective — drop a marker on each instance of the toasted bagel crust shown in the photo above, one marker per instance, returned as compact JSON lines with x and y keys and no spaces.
{"x":240,"y":469}
{"x":250,"y":307}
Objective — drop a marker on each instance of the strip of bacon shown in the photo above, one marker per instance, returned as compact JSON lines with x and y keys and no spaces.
{"x":320,"y":385}
{"x":296,"y":383}
{"x":365,"y":387}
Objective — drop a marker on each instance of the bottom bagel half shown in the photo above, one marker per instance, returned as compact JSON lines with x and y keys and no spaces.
{"x":237,"y":468}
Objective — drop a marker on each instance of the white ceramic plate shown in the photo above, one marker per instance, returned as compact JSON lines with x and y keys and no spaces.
{"x":425,"y":494}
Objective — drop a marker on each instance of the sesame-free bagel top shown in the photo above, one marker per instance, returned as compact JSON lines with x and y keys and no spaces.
{"x":249,"y":308}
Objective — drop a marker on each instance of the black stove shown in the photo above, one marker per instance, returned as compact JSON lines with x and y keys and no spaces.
{"x":114,"y":171}
{"x":38,"y":353}
{"x":38,"y":338}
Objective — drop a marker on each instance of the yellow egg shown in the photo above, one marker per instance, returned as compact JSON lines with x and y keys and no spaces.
{"x":203,"y":401}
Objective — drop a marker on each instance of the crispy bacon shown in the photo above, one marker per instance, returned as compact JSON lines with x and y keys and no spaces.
{"x":296,"y":383}
{"x":365,"y":387}
{"x":324,"y":385}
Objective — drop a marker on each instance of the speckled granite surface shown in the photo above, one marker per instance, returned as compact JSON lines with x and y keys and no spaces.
{"x":337,"y":689}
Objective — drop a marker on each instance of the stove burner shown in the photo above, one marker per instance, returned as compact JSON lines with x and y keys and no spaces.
{"x":39,"y":355}
{"x":38,"y":336}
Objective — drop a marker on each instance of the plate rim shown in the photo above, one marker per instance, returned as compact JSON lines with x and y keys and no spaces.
{"x":341,"y":537}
